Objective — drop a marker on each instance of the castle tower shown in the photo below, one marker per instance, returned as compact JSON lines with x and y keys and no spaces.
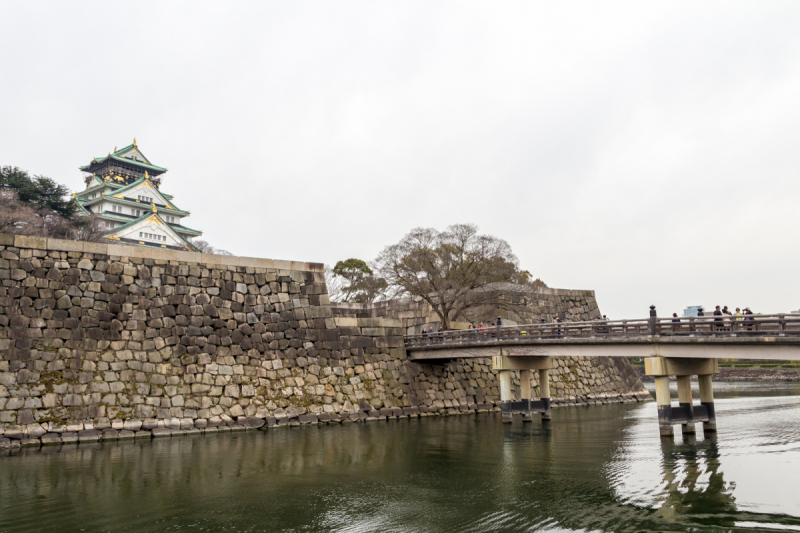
{"x":123,"y":190}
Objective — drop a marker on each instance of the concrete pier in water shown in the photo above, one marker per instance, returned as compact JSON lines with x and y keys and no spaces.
{"x":525,"y":406}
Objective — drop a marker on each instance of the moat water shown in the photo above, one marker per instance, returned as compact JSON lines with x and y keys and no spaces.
{"x":601,"y":468}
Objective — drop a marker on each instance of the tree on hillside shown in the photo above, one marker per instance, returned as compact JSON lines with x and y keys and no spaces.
{"x":41,"y":207}
{"x":41,"y":193}
{"x":453,"y":270}
{"x":360,"y":284}
{"x":524,"y":277}
{"x":206,"y":248}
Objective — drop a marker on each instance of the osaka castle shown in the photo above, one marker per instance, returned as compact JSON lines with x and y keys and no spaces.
{"x":123,"y":189}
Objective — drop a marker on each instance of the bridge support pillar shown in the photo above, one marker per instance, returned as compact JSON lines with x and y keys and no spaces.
{"x":525,"y":406}
{"x":686,"y":413}
{"x":525,"y":392}
{"x":685,"y":403}
{"x":707,"y":400}
{"x":505,"y":395}
{"x":544,"y":392}
{"x":664,"y":406}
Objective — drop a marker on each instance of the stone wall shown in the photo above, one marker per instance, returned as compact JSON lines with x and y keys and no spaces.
{"x":105,"y":341}
{"x":523,"y":305}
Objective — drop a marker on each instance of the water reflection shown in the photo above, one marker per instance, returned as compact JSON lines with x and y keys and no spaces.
{"x":694,"y":482}
{"x":603,"y":468}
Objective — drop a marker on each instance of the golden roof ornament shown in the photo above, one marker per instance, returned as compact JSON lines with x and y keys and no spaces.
{"x":134,"y":141}
{"x":146,"y":175}
{"x":154,"y":208}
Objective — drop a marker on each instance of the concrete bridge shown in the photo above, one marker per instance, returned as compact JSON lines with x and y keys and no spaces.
{"x":680,"y":347}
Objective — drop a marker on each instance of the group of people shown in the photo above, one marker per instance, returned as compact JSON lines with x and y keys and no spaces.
{"x":721,"y":317}
{"x":722,"y":321}
{"x":431,"y":331}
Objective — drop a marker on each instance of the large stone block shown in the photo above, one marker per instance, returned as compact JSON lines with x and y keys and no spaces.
{"x":24,"y":241}
{"x":64,"y":246}
{"x":99,"y":248}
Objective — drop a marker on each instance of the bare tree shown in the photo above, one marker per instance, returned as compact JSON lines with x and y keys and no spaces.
{"x":89,"y":228}
{"x":334,"y":284}
{"x":206,"y":248}
{"x":453,"y":271}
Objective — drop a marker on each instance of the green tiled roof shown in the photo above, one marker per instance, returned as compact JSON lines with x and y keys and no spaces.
{"x":117,"y":156}
{"x":114,"y":216}
{"x":123,"y":160}
{"x":81,"y":209}
{"x":184,"y":229}
{"x":134,"y":203}
{"x":126,"y":188}
{"x":98,"y":187}
{"x":177,"y":228}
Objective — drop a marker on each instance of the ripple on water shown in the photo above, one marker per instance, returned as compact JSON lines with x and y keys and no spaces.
{"x":603,"y":468}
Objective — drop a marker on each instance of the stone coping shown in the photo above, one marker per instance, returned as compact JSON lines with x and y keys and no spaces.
{"x":404,"y":302}
{"x":146,"y":252}
{"x":379,"y":322}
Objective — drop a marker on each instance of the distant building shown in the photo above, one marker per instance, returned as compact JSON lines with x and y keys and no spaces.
{"x":692,"y":310}
{"x":123,"y":191}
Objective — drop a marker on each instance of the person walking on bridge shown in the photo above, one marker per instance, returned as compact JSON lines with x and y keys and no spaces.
{"x":748,"y":317}
{"x":727,"y":313}
{"x":718,"y":319}
{"x":676,"y":322}
{"x":692,"y":326}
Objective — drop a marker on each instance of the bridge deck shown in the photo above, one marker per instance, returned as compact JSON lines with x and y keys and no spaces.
{"x":760,"y":337}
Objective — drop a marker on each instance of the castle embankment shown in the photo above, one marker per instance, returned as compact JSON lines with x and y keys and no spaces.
{"x":106,"y":341}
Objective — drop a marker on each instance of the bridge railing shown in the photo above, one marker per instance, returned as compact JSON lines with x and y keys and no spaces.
{"x":706,"y":326}
{"x":731,"y":326}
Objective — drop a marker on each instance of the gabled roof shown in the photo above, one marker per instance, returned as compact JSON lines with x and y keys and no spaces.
{"x":100,"y":185}
{"x":118,"y":217}
{"x":119,"y":155}
{"x":144,"y":218}
{"x":121,"y":191}
{"x":133,"y":203}
{"x":131,"y":148}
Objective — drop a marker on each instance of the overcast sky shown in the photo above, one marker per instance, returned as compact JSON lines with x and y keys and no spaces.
{"x":649,"y":151}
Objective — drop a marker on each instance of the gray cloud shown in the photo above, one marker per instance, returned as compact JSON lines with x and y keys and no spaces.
{"x":644,"y":150}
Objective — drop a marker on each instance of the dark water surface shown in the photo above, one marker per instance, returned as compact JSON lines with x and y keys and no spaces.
{"x":601,"y":468}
